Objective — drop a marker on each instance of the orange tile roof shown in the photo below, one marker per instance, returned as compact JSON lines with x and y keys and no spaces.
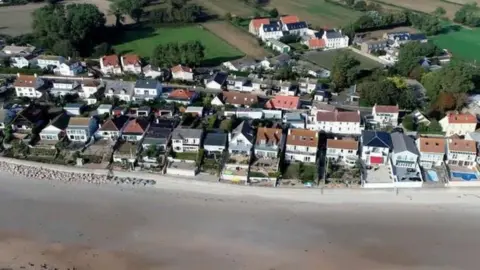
{"x":386,"y":109}
{"x":342,"y":144}
{"x":258,"y":22}
{"x":131,"y":59}
{"x":337,"y":116}
{"x":316,"y":43}
{"x":181,"y":94}
{"x":302,"y":137}
{"x":136,"y":126}
{"x":283,"y":102}
{"x":269,"y":135}
{"x":432,"y":145}
{"x":462,"y":145}
{"x":459,"y":118}
{"x":180,"y":68}
{"x":25,"y":81}
{"x":289,"y":19}
{"x":110,"y":60}
{"x":239,"y":98}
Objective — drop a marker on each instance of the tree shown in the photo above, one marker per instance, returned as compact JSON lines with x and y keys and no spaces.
{"x":388,"y":91}
{"x":344,"y":70}
{"x":64,"y":47}
{"x":439,"y":11}
{"x":102,"y":49}
{"x":273,"y":13}
{"x":190,"y":53}
{"x":349,"y":2}
{"x":290,"y":38}
{"x":360,"y":5}
{"x":133,"y":8}
{"x":6,"y":62}
{"x":115,"y":10}
{"x":228,"y":16}
{"x":80,"y":24}
{"x":408,"y":122}
{"x":411,"y":53}
{"x":468,"y":14}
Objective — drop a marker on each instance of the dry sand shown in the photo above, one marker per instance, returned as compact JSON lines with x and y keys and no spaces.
{"x":105,"y":227}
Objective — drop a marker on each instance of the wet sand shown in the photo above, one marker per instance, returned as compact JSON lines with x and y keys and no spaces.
{"x":90,"y":227}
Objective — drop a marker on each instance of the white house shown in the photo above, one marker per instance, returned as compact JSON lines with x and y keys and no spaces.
{"x":458,"y":123}
{"x":62,"y":88}
{"x":186,"y":139}
{"x":335,"y":39}
{"x":119,"y":89}
{"x":110,"y":64}
{"x":18,"y":50}
{"x":71,"y":68}
{"x":242,"y":84}
{"x":147,"y":89}
{"x":242,"y":64}
{"x":432,"y":151}
{"x":131,"y":63}
{"x":270,"y":31}
{"x":104,"y":109}
{"x":150,"y":71}
{"x":48,"y":61}
{"x":79,"y":129}
{"x":217,"y":81}
{"x":345,"y":151}
{"x":375,"y":147}
{"x":302,"y":145}
{"x":336,"y":122}
{"x":183,"y":73}
{"x":56,"y":129}
{"x":73,"y":109}
{"x":195,"y":110}
{"x":385,"y":115}
{"x":307,"y":85}
{"x":28,"y":86}
{"x":22,"y":61}
{"x":462,"y":153}
{"x":240,"y":140}
{"x":269,"y":142}
{"x":89,"y":87}
{"x":215,"y":142}
{"x":296,"y":28}
{"x":255,"y":24}
{"x":404,"y":160}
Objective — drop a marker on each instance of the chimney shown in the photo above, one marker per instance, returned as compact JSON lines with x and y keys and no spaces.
{"x":35,"y":75}
{"x":18,"y":74}
{"x":289,"y":131}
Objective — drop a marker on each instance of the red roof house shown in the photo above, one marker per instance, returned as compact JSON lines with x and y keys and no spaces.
{"x":283,"y":102}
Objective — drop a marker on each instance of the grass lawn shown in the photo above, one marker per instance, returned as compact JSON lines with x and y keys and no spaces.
{"x":185,"y":155}
{"x":463,"y":43}
{"x":304,"y":172}
{"x":325,"y":59}
{"x":143,"y":41}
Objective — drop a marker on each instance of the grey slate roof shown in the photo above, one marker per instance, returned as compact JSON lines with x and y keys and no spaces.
{"x":217,"y":139}
{"x":219,"y":77}
{"x":376,"y":139}
{"x":333,"y":34}
{"x":296,"y":25}
{"x":245,"y":129}
{"x":146,"y":83}
{"x":158,"y":132}
{"x":119,"y":86}
{"x":182,"y":133}
{"x":402,"y":142}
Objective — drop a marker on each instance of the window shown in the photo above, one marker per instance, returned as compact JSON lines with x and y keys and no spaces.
{"x":307,"y":159}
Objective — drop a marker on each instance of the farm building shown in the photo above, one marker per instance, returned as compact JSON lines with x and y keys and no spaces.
{"x":278,"y":46}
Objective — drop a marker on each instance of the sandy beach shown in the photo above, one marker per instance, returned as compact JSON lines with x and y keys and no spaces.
{"x":191,"y":227}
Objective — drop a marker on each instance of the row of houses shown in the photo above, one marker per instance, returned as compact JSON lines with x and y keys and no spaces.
{"x":271,"y":31}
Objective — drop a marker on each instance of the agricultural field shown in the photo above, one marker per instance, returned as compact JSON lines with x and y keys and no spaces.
{"x":464,"y":43}
{"x":222,"y":7}
{"x":316,"y":12}
{"x":426,"y":6}
{"x":143,"y":41}
{"x":237,"y":38}
{"x":325,"y":59}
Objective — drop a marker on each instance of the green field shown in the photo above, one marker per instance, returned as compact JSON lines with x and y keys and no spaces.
{"x":463,"y":43}
{"x":143,"y":41}
{"x":325,"y":59}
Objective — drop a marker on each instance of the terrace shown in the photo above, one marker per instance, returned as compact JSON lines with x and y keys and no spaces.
{"x":463,"y":176}
{"x":234,"y":173}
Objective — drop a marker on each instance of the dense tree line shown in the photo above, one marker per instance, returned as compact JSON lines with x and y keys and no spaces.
{"x":410,"y":56}
{"x":178,"y":11}
{"x":68,"y":30}
{"x":361,"y":5}
{"x":447,"y":88}
{"x":132,"y":8}
{"x":344,"y":70}
{"x":387,"y":91}
{"x":190,"y":53}
{"x":469,"y":15}
{"x":373,"y":20}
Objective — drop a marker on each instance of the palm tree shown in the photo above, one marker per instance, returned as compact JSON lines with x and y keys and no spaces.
{"x":115,"y":10}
